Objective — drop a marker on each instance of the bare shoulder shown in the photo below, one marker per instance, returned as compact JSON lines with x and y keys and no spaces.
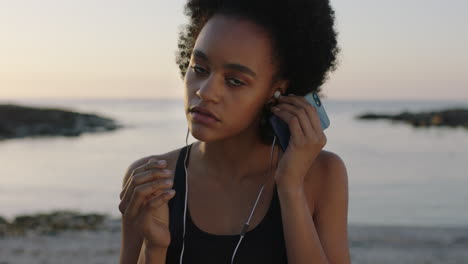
{"x":328,"y":181}
{"x":170,"y":157}
{"x":327,"y":174}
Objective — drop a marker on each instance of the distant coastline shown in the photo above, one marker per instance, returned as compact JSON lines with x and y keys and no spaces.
{"x":54,"y":222}
{"x":457,"y":117}
{"x":17,"y":121}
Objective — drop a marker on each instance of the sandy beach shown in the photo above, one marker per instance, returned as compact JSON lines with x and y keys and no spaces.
{"x":368,"y":244}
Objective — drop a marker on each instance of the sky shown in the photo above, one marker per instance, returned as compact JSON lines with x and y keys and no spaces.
{"x":390,"y":50}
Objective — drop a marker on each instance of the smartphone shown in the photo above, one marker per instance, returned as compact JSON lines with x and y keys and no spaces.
{"x":281,"y":128}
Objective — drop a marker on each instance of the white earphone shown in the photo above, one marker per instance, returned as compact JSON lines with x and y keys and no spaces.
{"x":277,"y":94}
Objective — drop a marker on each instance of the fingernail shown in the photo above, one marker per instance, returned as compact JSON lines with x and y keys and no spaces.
{"x":166,"y":171}
{"x":169,"y":181}
{"x":162,"y":162}
{"x":275,"y":108}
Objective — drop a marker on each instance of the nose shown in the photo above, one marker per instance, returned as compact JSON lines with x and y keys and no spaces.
{"x":208,"y":90}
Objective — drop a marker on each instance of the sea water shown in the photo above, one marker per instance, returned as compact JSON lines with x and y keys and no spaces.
{"x":398,"y":174}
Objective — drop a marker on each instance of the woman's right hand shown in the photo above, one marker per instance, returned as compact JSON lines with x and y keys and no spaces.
{"x":144,"y":204}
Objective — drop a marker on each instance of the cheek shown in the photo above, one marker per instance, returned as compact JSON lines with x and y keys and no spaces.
{"x":245,"y":112}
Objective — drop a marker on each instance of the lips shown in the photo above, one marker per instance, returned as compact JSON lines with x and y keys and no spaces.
{"x":204,"y":111}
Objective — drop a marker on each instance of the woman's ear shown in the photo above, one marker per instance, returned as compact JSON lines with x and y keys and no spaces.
{"x":284,"y":87}
{"x":280,"y":86}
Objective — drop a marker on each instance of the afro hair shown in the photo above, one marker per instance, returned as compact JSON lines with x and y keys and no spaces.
{"x":303,"y":36}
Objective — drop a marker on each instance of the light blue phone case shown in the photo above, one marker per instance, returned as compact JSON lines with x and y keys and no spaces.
{"x":314,"y":100}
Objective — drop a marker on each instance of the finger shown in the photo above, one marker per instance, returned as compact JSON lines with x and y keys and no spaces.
{"x":125,"y":202}
{"x":142,"y":192}
{"x":304,"y":122}
{"x":144,"y":177}
{"x":283,"y":115}
{"x":295,"y":129}
{"x":158,"y":201}
{"x":151,"y":164}
{"x":310,"y":110}
{"x":313,"y":115}
{"x":290,"y":119}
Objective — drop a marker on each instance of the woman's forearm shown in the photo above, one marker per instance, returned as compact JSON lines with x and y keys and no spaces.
{"x":155,"y":255}
{"x":130,"y":248}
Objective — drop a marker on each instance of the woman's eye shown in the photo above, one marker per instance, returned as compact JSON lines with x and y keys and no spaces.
{"x":235,"y":82}
{"x":232,"y":81}
{"x":198,"y":69}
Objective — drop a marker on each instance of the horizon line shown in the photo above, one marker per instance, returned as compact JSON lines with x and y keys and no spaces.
{"x":3,"y":100}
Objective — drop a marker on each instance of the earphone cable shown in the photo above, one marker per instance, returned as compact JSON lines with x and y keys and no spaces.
{"x":186,"y":195}
{"x":246,"y":224}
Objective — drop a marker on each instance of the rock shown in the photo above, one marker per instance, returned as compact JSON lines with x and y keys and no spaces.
{"x":54,"y":222}
{"x":450,"y":117}
{"x":436,"y":120}
{"x":4,"y":226}
{"x":460,"y":240}
{"x":21,"y":121}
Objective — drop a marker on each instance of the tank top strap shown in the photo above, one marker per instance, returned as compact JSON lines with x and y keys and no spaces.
{"x":176,"y":208}
{"x":179,"y":173}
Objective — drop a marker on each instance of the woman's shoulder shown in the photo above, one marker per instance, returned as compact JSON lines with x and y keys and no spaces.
{"x":328,"y":161}
{"x":327,"y":174}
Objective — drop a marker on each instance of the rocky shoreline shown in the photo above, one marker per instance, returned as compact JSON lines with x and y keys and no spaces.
{"x":18,"y":121}
{"x":51,"y":223}
{"x":73,"y":237}
{"x":456,"y":117}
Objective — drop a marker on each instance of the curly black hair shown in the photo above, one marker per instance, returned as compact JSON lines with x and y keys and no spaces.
{"x":303,"y":37}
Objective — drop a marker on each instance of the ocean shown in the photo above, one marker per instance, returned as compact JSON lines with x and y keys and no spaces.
{"x":398,"y":175}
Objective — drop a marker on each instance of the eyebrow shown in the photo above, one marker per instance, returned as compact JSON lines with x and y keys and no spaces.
{"x":234,"y":66}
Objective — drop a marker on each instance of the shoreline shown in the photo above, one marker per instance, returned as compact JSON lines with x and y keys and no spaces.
{"x":60,"y":220}
{"x":368,"y":244}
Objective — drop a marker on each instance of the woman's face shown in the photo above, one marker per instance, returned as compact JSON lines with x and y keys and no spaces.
{"x":230,"y":74}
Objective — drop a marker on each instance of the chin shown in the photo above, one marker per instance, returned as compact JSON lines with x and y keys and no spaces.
{"x":208,"y":134}
{"x":203,"y":133}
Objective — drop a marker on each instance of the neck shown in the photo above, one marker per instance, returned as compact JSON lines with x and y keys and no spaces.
{"x":237,"y":159}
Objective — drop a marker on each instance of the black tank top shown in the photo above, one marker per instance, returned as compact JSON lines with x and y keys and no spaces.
{"x":264,"y":244}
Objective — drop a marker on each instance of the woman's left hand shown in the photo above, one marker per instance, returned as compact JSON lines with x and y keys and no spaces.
{"x":306,"y":141}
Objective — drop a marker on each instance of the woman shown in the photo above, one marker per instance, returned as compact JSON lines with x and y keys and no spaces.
{"x":231,"y":200}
